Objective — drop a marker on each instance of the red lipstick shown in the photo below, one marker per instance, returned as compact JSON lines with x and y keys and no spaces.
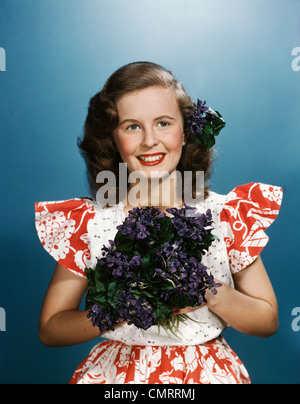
{"x":151,"y":162}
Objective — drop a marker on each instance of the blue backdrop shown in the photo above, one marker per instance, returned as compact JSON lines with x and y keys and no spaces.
{"x":236,"y":54}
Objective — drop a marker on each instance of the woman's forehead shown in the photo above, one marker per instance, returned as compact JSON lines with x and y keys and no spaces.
{"x":157,"y":99}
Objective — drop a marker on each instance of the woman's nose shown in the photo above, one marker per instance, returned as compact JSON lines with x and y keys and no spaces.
{"x":150,"y":138}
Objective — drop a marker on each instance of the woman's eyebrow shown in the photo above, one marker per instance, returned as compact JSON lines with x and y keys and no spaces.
{"x":127,"y":121}
{"x":165,"y":117}
{"x":131,"y":120}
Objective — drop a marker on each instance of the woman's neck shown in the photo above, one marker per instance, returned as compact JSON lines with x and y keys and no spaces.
{"x":157,"y":192}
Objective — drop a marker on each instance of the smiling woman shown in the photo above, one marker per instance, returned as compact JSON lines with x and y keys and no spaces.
{"x":144,"y":120}
{"x":150,"y":140}
{"x":140,"y":104}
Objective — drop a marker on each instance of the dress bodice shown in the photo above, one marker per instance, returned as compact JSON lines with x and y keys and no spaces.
{"x":74,"y":232}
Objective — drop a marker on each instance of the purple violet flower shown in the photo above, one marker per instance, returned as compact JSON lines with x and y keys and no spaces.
{"x":192,"y":226}
{"x":200,"y":117}
{"x":139,"y":222}
{"x":102,"y":318}
{"x":128,"y":292}
{"x":137,"y":311}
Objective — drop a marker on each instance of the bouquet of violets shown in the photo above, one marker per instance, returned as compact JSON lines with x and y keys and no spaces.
{"x":152,"y":266}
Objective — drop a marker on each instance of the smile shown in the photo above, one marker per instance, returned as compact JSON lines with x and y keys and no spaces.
{"x":151,"y":159}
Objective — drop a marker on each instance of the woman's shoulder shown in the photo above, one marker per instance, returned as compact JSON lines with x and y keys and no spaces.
{"x":244,"y":215}
{"x":68,"y":229}
{"x":76,"y":208}
{"x":256,"y":192}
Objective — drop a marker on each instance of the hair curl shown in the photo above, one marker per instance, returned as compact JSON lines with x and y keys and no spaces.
{"x":97,"y":145}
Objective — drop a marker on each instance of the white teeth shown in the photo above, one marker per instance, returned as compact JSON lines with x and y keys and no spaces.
{"x":152,"y":158}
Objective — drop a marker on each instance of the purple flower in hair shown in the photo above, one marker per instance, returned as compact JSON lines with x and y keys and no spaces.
{"x":205,"y":124}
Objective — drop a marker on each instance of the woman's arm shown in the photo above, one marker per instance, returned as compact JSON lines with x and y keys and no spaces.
{"x":251,"y":307}
{"x":61,"y":323}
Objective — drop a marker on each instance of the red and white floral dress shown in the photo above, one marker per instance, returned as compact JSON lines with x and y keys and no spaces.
{"x":74,"y":231}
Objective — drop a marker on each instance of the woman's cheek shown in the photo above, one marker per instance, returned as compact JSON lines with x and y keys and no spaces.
{"x":126,"y":145}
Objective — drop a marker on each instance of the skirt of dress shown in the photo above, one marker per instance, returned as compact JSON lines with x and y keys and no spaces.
{"x":112,"y":362}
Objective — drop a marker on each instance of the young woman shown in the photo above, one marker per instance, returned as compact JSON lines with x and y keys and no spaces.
{"x":142,"y":118}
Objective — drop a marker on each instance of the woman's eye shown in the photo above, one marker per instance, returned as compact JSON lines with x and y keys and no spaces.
{"x":163,"y":124}
{"x":133,"y":127}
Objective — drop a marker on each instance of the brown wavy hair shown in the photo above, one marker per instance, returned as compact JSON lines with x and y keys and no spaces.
{"x":97,"y":145}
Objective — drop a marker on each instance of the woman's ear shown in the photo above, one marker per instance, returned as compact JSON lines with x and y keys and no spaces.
{"x":184,"y":139}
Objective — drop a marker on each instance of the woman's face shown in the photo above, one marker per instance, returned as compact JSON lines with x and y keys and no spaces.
{"x":150,"y":134}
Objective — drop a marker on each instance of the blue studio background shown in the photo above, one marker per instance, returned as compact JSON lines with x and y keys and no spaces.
{"x":235,"y":54}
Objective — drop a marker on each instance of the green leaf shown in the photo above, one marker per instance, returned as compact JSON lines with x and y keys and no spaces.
{"x":219,"y":123}
{"x":163,"y":312}
{"x":178,"y":301}
{"x":100,"y":287}
{"x":166,"y":232}
{"x":114,"y":291}
{"x":147,"y":259}
{"x":125,"y":244}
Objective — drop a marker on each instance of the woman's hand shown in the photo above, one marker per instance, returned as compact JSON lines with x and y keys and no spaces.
{"x":250,"y":307}
{"x":186,"y":310}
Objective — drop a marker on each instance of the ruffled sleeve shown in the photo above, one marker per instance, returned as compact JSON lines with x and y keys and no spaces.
{"x":62,"y":228}
{"x":248,"y":211}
